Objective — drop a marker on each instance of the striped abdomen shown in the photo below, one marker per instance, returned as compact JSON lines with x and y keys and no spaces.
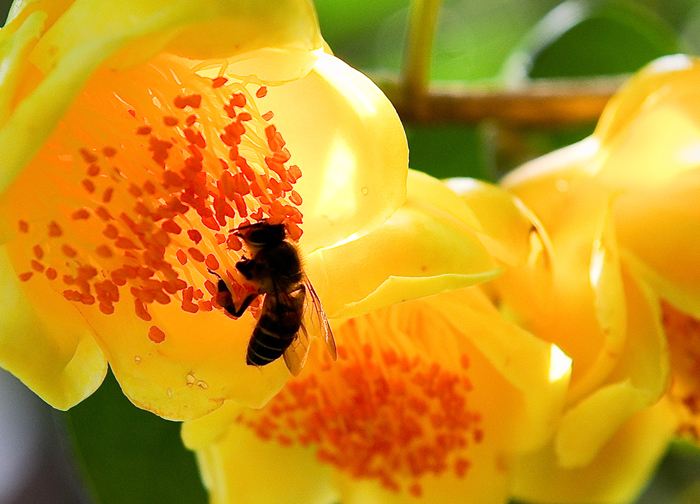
{"x":277,"y":328}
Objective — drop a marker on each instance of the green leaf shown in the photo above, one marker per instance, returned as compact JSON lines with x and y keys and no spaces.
{"x":128,"y":455}
{"x":475,"y":38}
{"x":589,"y":37}
{"x":353,"y":29}
{"x":449,"y":151}
{"x":4,"y":9}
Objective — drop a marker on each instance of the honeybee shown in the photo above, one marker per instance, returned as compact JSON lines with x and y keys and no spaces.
{"x":275,"y":270}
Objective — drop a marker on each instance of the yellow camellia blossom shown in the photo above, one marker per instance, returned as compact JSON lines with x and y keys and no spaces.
{"x":610,"y":434}
{"x":429,"y":401}
{"x":135,"y":136}
{"x":616,"y":286}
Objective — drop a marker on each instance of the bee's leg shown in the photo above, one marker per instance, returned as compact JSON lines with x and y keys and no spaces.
{"x":237,"y":312}
{"x":245,"y":267}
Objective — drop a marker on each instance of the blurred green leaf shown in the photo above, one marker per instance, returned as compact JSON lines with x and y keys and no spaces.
{"x":677,"y":480}
{"x":128,"y":455}
{"x":475,"y":38}
{"x":4,"y":9}
{"x":352,"y":29}
{"x":449,"y":151}
{"x":590,"y":37}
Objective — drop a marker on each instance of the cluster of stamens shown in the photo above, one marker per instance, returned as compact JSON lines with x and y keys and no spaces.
{"x":378,"y":414}
{"x":157,"y":226}
{"x":683,"y":332}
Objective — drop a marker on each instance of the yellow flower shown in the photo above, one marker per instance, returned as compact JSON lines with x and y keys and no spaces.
{"x":136,"y":135}
{"x":429,"y":402}
{"x":569,"y":289}
{"x":623,"y":233}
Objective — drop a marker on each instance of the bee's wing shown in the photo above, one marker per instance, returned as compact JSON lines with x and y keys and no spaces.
{"x":319,"y":318}
{"x":295,"y":355}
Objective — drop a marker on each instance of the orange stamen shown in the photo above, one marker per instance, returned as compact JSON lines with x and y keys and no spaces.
{"x":156,"y":335}
{"x":377,"y":414}
{"x":683,"y":332}
{"x":157,"y":170}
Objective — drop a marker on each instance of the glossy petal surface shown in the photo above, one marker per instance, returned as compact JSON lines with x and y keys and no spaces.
{"x":428,"y":245}
{"x":58,"y":358}
{"x":89,"y":32}
{"x":368,"y":449}
{"x":616,"y":475}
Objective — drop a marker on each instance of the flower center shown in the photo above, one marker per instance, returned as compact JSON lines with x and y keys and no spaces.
{"x":378,"y":413}
{"x":683,"y":332}
{"x":150,"y":171}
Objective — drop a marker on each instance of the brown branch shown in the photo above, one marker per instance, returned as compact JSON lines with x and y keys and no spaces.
{"x":542,"y":103}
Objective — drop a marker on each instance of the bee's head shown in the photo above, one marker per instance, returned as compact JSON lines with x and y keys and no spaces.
{"x":262,"y":234}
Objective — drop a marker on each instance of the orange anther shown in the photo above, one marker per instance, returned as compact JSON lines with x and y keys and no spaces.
{"x":156,"y":335}
{"x":218,"y":82}
{"x":109,"y":152}
{"x":80,"y":214}
{"x":69,"y":251}
{"x":38,"y":252}
{"x":54,"y":229}
{"x":193,"y":101}
{"x":196,"y":254}
{"x":211,"y":262}
{"x":170,"y":121}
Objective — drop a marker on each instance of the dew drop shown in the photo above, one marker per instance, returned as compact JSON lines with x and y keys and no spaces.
{"x":202,"y":384}
{"x":169,"y":392}
{"x":137,"y":359}
{"x":365,"y":190}
{"x":190,"y":379}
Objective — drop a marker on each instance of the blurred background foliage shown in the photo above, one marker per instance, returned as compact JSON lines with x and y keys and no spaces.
{"x":129,"y":456}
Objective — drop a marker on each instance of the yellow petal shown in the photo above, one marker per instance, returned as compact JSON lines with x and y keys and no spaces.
{"x":232,"y":27}
{"x":20,"y":9}
{"x":196,"y":368}
{"x":539,"y":371}
{"x":616,"y":475}
{"x":241,"y":468}
{"x":50,"y":348}
{"x":572,"y":297}
{"x":551,"y":175}
{"x":508,"y":224}
{"x":487,"y":483}
{"x":200,"y":364}
{"x":352,"y":150}
{"x":660,"y":231}
{"x":649,"y":130}
{"x":509,"y":396}
{"x":637,"y":382}
{"x":16,"y":41}
{"x":427,"y":246}
{"x":91,"y":31}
